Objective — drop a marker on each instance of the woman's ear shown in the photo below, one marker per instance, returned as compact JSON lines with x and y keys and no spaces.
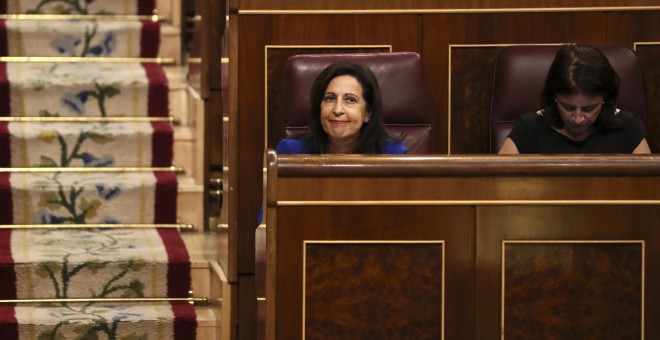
{"x":367,"y":117}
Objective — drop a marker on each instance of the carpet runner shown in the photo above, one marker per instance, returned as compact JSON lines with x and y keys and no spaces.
{"x":80,"y":38}
{"x":88,"y":197}
{"x":83,"y":89}
{"x":93,"y":262}
{"x":95,"y":7}
{"x":86,"y":144}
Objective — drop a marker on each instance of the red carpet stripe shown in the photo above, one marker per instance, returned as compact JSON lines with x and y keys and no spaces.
{"x":149,"y":39}
{"x":158,"y":101}
{"x":5,"y":200}
{"x":185,"y":321}
{"x":4,"y":46}
{"x":162,"y":144}
{"x":7,"y":273}
{"x":9,"y":324}
{"x":5,"y":146}
{"x":166,"y":195}
{"x":178,"y":268}
{"x":146,"y":7}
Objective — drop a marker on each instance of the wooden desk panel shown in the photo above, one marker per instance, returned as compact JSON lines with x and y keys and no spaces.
{"x":576,"y":237}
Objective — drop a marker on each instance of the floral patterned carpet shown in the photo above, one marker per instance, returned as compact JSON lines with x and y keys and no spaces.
{"x":97,"y":262}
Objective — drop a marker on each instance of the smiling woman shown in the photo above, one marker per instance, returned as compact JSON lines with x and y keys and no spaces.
{"x":345,"y":115}
{"x":578,"y":110}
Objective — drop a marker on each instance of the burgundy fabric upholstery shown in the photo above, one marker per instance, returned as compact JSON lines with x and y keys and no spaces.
{"x":520,"y":73}
{"x":407,"y":105}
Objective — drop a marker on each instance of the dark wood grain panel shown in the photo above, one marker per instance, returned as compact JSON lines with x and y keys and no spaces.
{"x":471,"y":85}
{"x":373,"y":290}
{"x":576,"y":223}
{"x":573,"y":290}
{"x":376,"y":223}
{"x":649,"y":55}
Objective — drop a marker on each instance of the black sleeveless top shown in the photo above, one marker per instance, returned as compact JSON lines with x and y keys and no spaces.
{"x":532,"y":136}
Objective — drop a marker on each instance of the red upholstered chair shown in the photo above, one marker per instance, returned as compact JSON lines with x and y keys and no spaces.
{"x":407,"y":105}
{"x":520,"y":73}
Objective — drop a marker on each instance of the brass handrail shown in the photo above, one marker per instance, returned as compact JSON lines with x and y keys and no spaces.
{"x":100,"y":17}
{"x":178,"y":170}
{"x":180,"y":226}
{"x":171,"y":119}
{"x":191,"y":300}
{"x":23,"y":59}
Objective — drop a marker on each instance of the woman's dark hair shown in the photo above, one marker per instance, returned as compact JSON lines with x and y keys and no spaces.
{"x":373,"y":134}
{"x":581,"y":69}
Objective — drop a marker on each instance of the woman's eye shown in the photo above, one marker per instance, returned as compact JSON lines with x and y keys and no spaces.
{"x":351,"y":100}
{"x":328,"y":98}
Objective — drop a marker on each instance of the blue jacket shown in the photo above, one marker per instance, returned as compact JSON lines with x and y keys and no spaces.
{"x":297,"y":146}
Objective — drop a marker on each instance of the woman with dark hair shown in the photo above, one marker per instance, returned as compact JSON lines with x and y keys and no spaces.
{"x":578,"y":110}
{"x":345,"y":115}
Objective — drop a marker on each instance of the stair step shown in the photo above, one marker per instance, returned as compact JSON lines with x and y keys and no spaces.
{"x":113,"y":7}
{"x":86,"y":144}
{"x":83,"y":89}
{"x":94,"y":263}
{"x":88,"y":197}
{"x":99,"y":321}
{"x":80,"y":38}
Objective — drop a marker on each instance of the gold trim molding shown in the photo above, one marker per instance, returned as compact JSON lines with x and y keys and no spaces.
{"x":467,"y":202}
{"x":453,"y":10}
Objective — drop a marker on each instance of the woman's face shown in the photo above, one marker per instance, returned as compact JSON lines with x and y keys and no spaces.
{"x":343,"y":110}
{"x":579,"y":112}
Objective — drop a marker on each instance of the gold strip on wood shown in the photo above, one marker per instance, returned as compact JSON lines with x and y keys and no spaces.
{"x":165,"y":61}
{"x":304,"y":268}
{"x":644,"y":43}
{"x":467,"y":202}
{"x":261,"y":299}
{"x":170,"y":119}
{"x":193,"y":300}
{"x":92,"y":169}
{"x":182,"y":227}
{"x":454,"y":10}
{"x":503,"y":261}
{"x":99,"y":17}
{"x":267,"y":47}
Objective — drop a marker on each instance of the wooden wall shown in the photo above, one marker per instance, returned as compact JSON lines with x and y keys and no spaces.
{"x":458,"y":40}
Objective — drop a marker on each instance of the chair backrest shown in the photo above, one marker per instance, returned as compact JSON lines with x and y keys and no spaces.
{"x":520,"y":73}
{"x":407,"y":106}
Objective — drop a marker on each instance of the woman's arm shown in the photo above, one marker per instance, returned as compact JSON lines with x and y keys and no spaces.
{"x":643,"y":147}
{"x":508,"y":148}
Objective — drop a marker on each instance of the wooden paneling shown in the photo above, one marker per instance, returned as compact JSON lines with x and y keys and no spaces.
{"x":580,"y":289}
{"x":570,"y":252}
{"x":378,"y":289}
{"x":468,"y":39}
{"x":450,"y":225}
{"x":590,"y":223}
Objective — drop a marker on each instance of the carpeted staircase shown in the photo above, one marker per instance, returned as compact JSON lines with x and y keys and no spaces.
{"x":90,"y":245}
